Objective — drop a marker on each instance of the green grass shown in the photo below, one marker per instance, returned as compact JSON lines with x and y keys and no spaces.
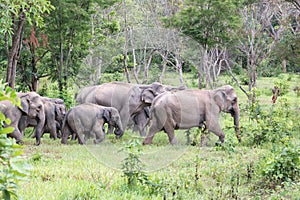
{"x":182,"y":171}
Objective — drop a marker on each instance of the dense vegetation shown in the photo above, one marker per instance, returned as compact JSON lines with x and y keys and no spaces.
{"x":56,"y":47}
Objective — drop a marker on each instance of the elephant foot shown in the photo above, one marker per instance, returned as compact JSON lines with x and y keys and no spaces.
{"x":147,"y":141}
{"x":174,"y":141}
{"x":98,"y":141}
{"x":37,"y":143}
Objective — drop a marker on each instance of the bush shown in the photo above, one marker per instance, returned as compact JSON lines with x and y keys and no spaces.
{"x":272,"y":125}
{"x":13,"y":168}
{"x":283,"y":86}
{"x":282,"y":164}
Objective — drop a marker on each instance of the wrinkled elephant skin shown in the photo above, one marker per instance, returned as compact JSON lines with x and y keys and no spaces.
{"x":192,"y":108}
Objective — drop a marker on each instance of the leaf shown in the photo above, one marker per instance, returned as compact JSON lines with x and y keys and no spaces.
{"x":7,"y":130}
{"x":5,"y":194}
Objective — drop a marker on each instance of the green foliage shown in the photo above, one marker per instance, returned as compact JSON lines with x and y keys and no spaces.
{"x":282,"y":164}
{"x":132,"y":166}
{"x":271,"y":125}
{"x":12,"y":166}
{"x":32,"y":9}
{"x":110,"y":77}
{"x":207,"y":22}
{"x":51,"y":90}
{"x":283,"y":85}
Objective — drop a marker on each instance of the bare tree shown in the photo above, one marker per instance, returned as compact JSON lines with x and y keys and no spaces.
{"x":259,"y":34}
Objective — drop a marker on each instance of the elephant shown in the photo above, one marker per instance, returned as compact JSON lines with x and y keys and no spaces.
{"x":87,"y":120}
{"x":193,"y":108}
{"x":31,"y":106}
{"x":54,"y":109}
{"x":129,"y":99}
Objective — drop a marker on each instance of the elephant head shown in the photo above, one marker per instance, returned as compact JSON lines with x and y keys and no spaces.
{"x":32,"y":104}
{"x":149,"y":92}
{"x":227,"y":101}
{"x":60,"y":112}
{"x":112,"y":117}
{"x":33,"y":107}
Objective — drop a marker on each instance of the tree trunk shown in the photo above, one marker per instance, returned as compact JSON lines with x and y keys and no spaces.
{"x":179,"y":68}
{"x":284,"y":65}
{"x":14,"y":52}
{"x":125,"y":45}
{"x":164,"y":66}
{"x":200,"y":76}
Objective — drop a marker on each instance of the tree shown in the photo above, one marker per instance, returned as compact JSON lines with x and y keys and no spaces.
{"x":69,"y":33}
{"x":13,"y":16}
{"x":208,"y":23}
{"x":263,"y":25}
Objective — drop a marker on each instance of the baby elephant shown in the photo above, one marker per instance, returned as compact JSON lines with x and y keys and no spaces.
{"x":87,"y":120}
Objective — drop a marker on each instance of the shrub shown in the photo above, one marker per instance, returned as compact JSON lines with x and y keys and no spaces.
{"x":132,"y":166}
{"x":283,"y":86}
{"x":282,"y":164}
{"x":272,"y":125}
{"x":13,"y":168}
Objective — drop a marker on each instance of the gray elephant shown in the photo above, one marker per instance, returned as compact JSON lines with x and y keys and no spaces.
{"x":31,"y":106}
{"x":87,"y":120}
{"x":54,"y":110}
{"x":192,"y":108}
{"x":129,"y":99}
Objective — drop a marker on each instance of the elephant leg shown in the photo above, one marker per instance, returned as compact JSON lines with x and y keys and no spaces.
{"x":66,"y":132}
{"x":53,"y":133}
{"x":170,"y":131}
{"x":214,"y":126}
{"x":65,"y":135}
{"x":38,"y":133}
{"x":157,"y":124}
{"x":80,"y":138}
{"x":99,"y":138}
{"x":152,"y":131}
{"x":140,"y":122}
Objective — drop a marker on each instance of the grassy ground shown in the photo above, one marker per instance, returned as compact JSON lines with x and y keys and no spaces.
{"x":173,"y":172}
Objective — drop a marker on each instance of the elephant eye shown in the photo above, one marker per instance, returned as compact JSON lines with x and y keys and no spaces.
{"x":234,"y":100}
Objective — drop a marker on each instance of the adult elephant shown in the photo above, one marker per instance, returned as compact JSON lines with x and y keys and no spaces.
{"x":54,"y":109}
{"x":31,"y":106}
{"x":130,"y":100}
{"x":87,"y":120}
{"x":193,"y":108}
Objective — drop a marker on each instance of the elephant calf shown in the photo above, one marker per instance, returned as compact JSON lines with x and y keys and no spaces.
{"x":87,"y":120}
{"x":54,"y":112}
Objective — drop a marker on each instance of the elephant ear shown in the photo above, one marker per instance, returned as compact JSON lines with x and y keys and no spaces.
{"x":25,"y":104}
{"x":219,"y":98}
{"x":148,"y":95}
{"x":59,"y":109}
{"x":106,"y":115}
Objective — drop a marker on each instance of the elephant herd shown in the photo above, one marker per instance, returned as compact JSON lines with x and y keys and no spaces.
{"x":122,"y":106}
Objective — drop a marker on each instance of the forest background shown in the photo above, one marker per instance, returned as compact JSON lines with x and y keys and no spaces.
{"x":57,"y":47}
{"x":72,"y":43}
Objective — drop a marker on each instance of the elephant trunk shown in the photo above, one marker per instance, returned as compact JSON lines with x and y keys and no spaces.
{"x":119,"y":130}
{"x":235,"y":114}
